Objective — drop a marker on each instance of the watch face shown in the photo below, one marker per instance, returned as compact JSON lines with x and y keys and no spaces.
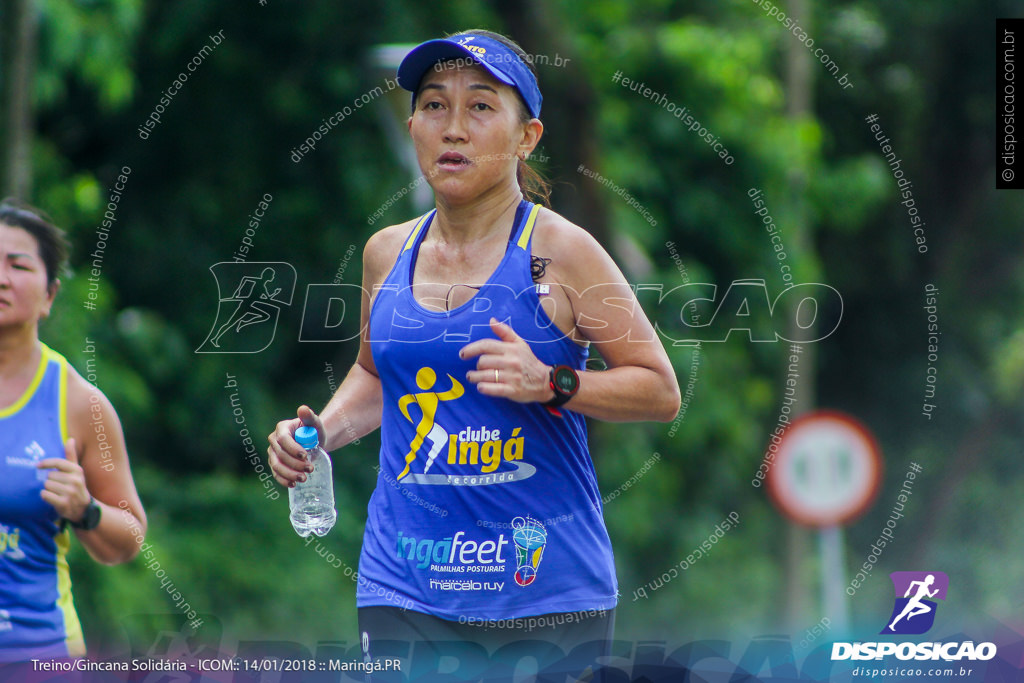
{"x":566,"y":380}
{"x":92,"y":517}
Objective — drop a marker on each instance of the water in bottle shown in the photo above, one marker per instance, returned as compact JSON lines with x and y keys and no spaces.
{"x":312,"y":501}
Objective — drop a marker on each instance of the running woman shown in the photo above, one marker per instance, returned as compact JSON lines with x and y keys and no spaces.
{"x":479,"y":316}
{"x":63,"y":464}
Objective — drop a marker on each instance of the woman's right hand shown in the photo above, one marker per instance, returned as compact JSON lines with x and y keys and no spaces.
{"x":286,"y":457}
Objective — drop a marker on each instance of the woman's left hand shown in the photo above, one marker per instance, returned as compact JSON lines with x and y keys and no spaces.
{"x":507,"y":367}
{"x":65,"y":486}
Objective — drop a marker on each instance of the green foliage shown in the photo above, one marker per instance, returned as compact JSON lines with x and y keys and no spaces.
{"x":92,"y":42}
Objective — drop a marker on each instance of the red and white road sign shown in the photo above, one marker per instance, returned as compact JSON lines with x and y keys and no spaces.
{"x":827,"y":469}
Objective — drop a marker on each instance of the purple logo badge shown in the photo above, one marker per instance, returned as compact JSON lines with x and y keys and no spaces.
{"x":916,"y":592}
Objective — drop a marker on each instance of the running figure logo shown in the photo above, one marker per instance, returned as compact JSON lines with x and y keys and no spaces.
{"x":530,"y":538}
{"x":258,"y":291}
{"x":914,"y":613}
{"x":428,"y":401}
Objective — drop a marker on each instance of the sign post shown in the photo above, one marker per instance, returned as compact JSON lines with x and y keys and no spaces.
{"x":826,"y":474}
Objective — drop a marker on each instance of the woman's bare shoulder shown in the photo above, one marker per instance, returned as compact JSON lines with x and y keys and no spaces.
{"x":382,"y":248}
{"x":86,"y":404}
{"x":574,"y":252}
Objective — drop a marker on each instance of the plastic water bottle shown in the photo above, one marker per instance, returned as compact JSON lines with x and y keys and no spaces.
{"x":312,"y":501}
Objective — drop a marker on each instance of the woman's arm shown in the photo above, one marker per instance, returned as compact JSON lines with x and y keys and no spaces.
{"x":353,"y":412}
{"x":355,"y":409}
{"x":96,"y":467}
{"x":639,"y":384}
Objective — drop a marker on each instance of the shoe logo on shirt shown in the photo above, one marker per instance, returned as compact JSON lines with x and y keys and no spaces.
{"x":530,"y":538}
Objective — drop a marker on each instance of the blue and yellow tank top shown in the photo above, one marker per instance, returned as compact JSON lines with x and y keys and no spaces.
{"x":37,"y":616}
{"x":484,"y":508}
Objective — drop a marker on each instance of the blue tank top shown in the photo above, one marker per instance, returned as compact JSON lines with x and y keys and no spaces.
{"x":484,"y":508}
{"x":37,"y":616}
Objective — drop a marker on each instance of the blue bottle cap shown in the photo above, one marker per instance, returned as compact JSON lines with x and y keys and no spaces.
{"x":307,"y":437}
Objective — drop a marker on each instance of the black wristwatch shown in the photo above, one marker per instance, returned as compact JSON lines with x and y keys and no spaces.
{"x":91,"y":519}
{"x":565,"y":382}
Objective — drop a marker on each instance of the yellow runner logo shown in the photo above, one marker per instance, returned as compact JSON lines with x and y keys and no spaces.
{"x":427,"y":429}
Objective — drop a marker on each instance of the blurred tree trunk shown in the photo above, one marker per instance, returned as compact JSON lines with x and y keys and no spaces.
{"x":568,"y":111}
{"x":18,"y":38}
{"x":799,"y":82}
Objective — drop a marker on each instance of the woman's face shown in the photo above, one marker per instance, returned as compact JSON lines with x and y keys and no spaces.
{"x":468,"y":132}
{"x":24,"y":295}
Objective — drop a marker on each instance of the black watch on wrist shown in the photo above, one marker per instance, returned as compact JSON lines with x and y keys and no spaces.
{"x":565,"y":382}
{"x":91,"y":518}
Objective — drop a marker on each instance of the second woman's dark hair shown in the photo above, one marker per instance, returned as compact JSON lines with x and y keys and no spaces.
{"x":53,"y":246}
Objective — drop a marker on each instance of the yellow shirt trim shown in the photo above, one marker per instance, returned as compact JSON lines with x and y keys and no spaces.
{"x":12,"y":409}
{"x":524,"y":238}
{"x":415,"y":231}
{"x":63,"y":401}
{"x":73,"y":638}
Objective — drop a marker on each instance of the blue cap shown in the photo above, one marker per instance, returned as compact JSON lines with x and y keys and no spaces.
{"x":307,"y":437}
{"x":501,"y":62}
